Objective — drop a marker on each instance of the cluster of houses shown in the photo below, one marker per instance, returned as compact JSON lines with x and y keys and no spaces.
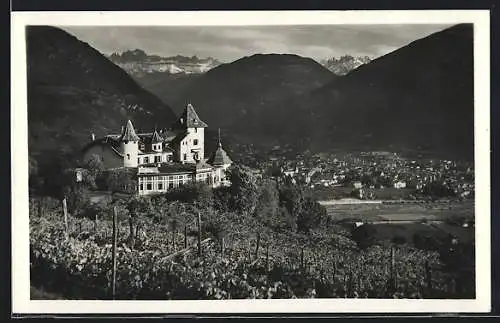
{"x":367,"y":171}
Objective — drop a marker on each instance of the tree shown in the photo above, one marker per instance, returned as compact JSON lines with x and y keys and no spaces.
{"x":291,"y":197}
{"x":222,"y":198}
{"x":365,"y":236}
{"x":311,"y":216}
{"x":437,"y":189}
{"x":95,"y":165}
{"x":268,"y":200}
{"x":121,"y":180}
{"x":243,"y":189}
{"x":192,"y":192}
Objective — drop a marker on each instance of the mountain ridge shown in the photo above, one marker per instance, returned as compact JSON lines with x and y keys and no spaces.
{"x":240,"y":93}
{"x":424,"y":90}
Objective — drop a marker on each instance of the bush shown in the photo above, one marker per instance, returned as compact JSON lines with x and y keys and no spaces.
{"x":192,"y":192}
{"x":365,"y":236}
{"x":399,"y":239}
{"x":121,"y":180}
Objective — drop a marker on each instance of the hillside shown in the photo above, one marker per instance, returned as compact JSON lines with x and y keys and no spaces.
{"x":419,"y":97}
{"x":241,"y":95}
{"x":73,"y":90}
{"x":165,"y":85}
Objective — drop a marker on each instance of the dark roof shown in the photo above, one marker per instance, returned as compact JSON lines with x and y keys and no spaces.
{"x":129,"y":133}
{"x":219,"y":157}
{"x":156,"y":138}
{"x":179,"y":138}
{"x":108,"y":142}
{"x":189,"y":119}
{"x":169,"y":135}
{"x":150,"y":137}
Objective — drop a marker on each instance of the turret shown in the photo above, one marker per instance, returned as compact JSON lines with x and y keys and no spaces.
{"x":156,"y":142}
{"x":192,"y":136}
{"x":221,"y":162}
{"x":129,"y":142}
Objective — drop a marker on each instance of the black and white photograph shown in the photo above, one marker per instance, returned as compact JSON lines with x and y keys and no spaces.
{"x":170,"y":157}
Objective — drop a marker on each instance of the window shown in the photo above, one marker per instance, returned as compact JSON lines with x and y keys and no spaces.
{"x":170,"y":185}
{"x":128,"y":156}
{"x":160,"y":186}
{"x":146,"y":160}
{"x":185,"y":156}
{"x":195,"y":141}
{"x":148,"y":186}
{"x":141,"y":187}
{"x":196,"y":131}
{"x":138,"y":160}
{"x":157,"y":159}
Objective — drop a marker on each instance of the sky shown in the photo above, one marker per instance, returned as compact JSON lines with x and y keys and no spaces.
{"x":228,"y":43}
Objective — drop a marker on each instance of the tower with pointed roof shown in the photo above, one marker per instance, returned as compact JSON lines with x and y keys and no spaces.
{"x":129,"y":144}
{"x":191,"y":138}
{"x":156,"y":142}
{"x":220,"y":161}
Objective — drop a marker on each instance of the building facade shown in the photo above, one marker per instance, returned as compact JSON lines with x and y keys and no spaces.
{"x":164,"y":159}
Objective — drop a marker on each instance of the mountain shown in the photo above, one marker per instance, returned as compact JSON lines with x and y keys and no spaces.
{"x":344,"y":64}
{"x":242,"y":95}
{"x":166,"y":85}
{"x":419,"y":97}
{"x":163,"y":76}
{"x":74,"y":90}
{"x":139,"y":64}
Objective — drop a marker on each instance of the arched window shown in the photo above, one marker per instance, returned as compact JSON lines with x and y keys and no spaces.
{"x":128,"y":156}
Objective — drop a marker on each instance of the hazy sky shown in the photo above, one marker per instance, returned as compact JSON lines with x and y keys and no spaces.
{"x":229,"y":43}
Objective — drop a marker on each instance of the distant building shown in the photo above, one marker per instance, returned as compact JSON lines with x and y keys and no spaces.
{"x":164,"y":160}
{"x":357,"y":184}
{"x":400,"y":184}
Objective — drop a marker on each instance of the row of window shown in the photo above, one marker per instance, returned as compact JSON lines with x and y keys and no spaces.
{"x":153,"y":159}
{"x":160,"y":186}
{"x":164,"y":182}
{"x":195,"y":142}
{"x":156,"y":146}
{"x":163,"y":178}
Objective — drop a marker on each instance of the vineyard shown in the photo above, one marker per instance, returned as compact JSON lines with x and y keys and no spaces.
{"x":180,"y":252}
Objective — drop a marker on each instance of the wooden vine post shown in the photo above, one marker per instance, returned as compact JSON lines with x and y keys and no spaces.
{"x":267,"y":257}
{"x":222,"y":246}
{"x":131,"y":230}
{"x":302,"y":258}
{"x":428,"y":276}
{"x":65,"y":214}
{"x":96,"y":219}
{"x":257,"y":246}
{"x":185,"y":237}
{"x":173,"y":239}
{"x":393,"y":282}
{"x":115,"y":241}
{"x":40,"y":208}
{"x":199,"y":234}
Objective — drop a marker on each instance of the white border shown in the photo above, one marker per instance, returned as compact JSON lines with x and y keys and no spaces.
{"x":19,"y":150}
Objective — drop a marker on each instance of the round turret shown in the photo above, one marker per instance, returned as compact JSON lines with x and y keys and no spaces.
{"x":129,"y":142}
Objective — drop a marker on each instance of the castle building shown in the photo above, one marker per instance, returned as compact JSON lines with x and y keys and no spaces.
{"x":164,"y":159}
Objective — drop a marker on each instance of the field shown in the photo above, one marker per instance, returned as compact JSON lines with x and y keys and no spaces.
{"x":400,"y":211}
{"x":387,"y":193}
